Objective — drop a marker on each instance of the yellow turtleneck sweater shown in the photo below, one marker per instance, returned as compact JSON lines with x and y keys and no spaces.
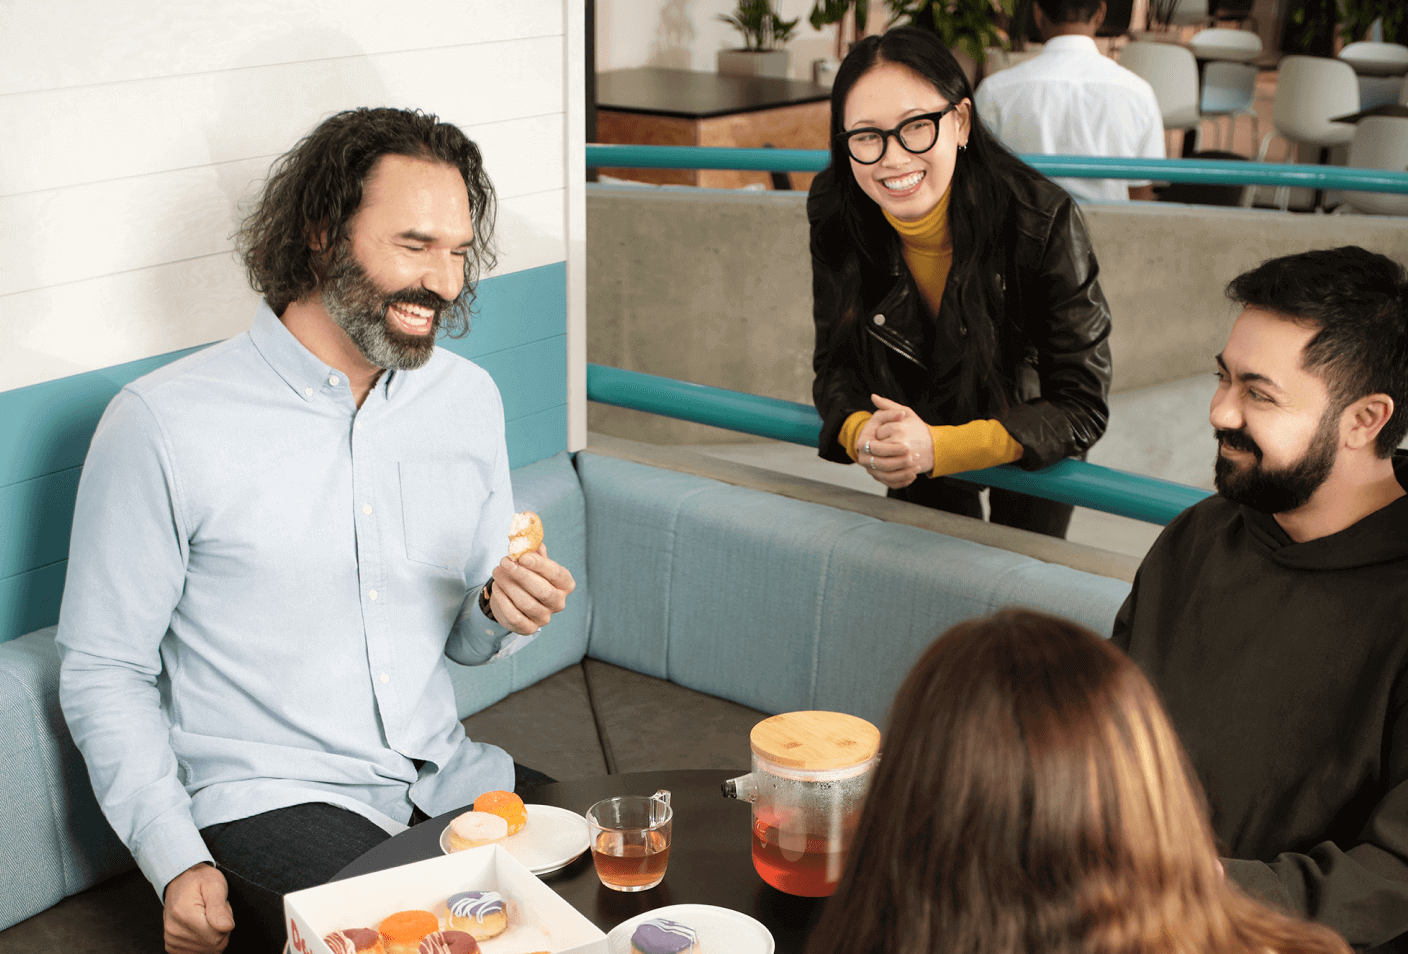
{"x":928,"y":251}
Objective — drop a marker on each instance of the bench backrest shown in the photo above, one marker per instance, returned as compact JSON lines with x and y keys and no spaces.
{"x":782,"y":604}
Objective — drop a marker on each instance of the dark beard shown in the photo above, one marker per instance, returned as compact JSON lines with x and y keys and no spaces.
{"x":1276,"y":491}
{"x":359,"y":308}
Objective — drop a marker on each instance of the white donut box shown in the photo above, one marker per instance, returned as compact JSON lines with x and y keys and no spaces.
{"x":539,"y":920}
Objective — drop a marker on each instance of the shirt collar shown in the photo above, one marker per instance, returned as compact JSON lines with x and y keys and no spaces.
{"x":1071,"y":43}
{"x":298,"y":366}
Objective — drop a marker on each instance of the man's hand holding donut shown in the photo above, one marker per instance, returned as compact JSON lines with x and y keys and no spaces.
{"x":528,"y":587}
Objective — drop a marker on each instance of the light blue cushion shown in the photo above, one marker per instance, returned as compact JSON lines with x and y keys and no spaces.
{"x":783,"y":605}
{"x":549,"y":488}
{"x":631,"y":516}
{"x":55,"y":838}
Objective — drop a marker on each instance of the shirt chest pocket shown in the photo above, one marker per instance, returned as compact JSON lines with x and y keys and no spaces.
{"x":441,"y":502}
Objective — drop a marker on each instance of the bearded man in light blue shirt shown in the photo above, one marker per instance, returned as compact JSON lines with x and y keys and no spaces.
{"x":279,"y":539}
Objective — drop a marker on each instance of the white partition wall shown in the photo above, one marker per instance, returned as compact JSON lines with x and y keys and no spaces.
{"x":130,"y":134}
{"x":132,"y":131}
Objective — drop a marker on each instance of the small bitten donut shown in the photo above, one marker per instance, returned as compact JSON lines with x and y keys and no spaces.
{"x":481,"y":913}
{"x":449,"y":942}
{"x":525,"y":534}
{"x":404,"y":930}
{"x":659,"y":936}
{"x":507,"y":806}
{"x":473,"y":829}
{"x":355,"y":941}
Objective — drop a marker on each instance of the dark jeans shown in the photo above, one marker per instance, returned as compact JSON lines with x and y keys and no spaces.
{"x":1008,"y":507}
{"x":271,"y":854}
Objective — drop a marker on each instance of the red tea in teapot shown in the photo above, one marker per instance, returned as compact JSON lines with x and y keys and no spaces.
{"x":811,"y":872}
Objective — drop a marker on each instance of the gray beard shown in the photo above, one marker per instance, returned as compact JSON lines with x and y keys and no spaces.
{"x":359,"y":308}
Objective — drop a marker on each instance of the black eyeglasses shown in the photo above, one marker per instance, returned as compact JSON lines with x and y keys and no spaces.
{"x":917,"y":134}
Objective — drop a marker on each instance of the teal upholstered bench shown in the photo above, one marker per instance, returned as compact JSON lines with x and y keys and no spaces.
{"x":738,"y":599}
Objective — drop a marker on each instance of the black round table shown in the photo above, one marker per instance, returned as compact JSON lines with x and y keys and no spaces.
{"x":711,"y":858}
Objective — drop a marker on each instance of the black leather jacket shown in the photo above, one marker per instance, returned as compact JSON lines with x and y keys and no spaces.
{"x":1052,"y":335}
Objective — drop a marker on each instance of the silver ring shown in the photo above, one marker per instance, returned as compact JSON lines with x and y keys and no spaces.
{"x":872,"y":463}
{"x":867,"y":448}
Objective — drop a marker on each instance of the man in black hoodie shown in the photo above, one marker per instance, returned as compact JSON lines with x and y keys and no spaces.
{"x":1273,"y":617}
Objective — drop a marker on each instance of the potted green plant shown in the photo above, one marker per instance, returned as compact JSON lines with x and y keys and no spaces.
{"x":764,"y":35}
{"x":970,"y":26}
{"x":1356,"y":16}
{"x":966,"y":26}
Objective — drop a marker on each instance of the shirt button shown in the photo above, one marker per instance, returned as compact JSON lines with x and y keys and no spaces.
{"x":357,"y":425}
{"x":372,"y":594}
{"x":488,"y":632}
{"x":333,"y":380}
{"x":879,"y":319}
{"x":366,"y":508}
{"x":308,"y":391}
{"x":385,"y":677}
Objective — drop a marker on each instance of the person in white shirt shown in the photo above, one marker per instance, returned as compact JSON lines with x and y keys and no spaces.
{"x":1073,"y":101}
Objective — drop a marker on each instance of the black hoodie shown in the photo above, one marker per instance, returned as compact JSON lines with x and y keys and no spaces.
{"x":1284,"y":667}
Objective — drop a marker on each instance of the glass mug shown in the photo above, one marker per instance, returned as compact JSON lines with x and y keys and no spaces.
{"x":631,"y":840}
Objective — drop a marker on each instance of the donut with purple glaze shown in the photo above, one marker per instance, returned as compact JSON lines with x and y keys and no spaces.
{"x":659,"y":936}
{"x":449,"y":942}
{"x":481,"y":913}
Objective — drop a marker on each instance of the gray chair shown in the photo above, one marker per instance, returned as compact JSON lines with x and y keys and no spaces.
{"x":1173,"y":72}
{"x":1229,"y":91}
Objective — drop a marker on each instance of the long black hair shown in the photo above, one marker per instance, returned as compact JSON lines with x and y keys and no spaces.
{"x":850,"y":235}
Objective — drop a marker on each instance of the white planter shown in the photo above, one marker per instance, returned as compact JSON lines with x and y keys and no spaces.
{"x":750,"y":63}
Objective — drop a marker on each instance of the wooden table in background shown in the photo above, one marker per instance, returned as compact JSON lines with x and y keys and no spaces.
{"x":663,"y":107}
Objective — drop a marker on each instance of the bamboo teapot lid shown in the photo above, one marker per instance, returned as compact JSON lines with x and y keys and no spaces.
{"x":815,"y":741}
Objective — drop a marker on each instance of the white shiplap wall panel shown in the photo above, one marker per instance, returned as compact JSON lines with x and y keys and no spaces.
{"x":55,"y":44}
{"x":90,"y":134}
{"x":129,"y":133}
{"x":530,"y":231}
{"x":84,"y":325}
{"x":102,"y":228}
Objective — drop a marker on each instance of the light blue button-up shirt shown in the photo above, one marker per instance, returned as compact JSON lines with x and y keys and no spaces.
{"x":263,"y":583}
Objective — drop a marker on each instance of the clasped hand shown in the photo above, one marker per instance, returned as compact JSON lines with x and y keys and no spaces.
{"x":526,"y":593}
{"x":895,"y":445}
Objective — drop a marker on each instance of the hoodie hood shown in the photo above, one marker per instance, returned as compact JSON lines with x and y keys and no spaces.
{"x":1381,"y":537}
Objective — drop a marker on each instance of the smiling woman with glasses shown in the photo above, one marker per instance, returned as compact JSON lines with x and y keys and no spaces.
{"x":959,"y":318}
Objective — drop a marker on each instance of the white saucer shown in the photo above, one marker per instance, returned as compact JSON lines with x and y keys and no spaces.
{"x":719,"y":929}
{"x":552,"y":839}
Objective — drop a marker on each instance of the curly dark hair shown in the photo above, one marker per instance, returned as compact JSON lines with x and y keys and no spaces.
{"x":317,"y":186}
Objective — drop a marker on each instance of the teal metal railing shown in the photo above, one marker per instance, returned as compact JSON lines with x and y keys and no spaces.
{"x":1069,"y":481}
{"x":1079,"y":167}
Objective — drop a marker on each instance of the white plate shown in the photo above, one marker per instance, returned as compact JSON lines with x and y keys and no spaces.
{"x":552,"y":839}
{"x":720,"y":930}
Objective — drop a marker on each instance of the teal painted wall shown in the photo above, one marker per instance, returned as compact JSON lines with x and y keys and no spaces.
{"x":519,"y":336}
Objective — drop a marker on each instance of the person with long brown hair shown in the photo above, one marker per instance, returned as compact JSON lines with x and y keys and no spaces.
{"x":1032,"y":798}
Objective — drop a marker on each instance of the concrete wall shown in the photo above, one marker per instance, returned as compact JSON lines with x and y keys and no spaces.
{"x":714,"y":287}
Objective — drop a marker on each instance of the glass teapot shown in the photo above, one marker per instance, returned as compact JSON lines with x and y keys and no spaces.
{"x":810,"y":774}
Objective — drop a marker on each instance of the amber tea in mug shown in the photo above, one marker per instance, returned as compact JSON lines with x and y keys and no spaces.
{"x":630,"y":840}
